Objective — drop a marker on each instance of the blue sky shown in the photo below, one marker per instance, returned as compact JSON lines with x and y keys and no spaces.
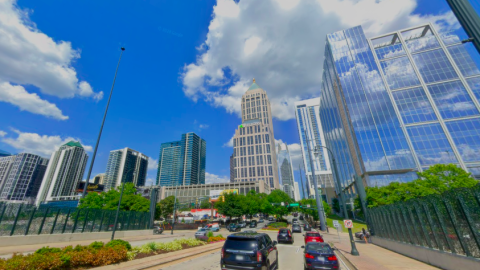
{"x":185,"y":66}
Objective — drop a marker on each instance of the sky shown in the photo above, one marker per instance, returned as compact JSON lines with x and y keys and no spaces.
{"x":185,"y":67}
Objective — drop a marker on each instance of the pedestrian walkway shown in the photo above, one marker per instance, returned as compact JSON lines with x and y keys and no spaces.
{"x":373,"y":257}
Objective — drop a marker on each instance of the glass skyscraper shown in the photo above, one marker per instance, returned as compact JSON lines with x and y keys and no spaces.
{"x":286,"y":177}
{"x":126,"y":165}
{"x":398,"y":103}
{"x":182,"y":162}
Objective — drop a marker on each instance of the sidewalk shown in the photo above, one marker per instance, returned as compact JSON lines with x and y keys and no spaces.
{"x":373,"y":257}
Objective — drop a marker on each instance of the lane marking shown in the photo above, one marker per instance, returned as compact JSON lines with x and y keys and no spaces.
{"x":298,"y":249}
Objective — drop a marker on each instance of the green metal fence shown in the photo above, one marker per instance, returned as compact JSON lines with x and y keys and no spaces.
{"x":449,"y":223}
{"x":21,"y":219}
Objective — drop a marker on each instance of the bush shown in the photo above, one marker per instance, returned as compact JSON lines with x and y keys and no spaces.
{"x":215,"y":239}
{"x":119,"y":242}
{"x":96,"y":245}
{"x":47,"y":250}
{"x":209,"y":234}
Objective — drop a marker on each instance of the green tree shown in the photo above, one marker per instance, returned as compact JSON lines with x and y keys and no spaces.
{"x":166,"y":206}
{"x":252,"y":203}
{"x":232,"y":205}
{"x":313,"y":204}
{"x":205,"y":204}
{"x":109,"y":200}
{"x":275,"y":198}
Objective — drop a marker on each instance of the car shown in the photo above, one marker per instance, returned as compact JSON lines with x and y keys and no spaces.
{"x":319,"y":256}
{"x":253,"y":224}
{"x":157,"y":229}
{"x":307,"y":227}
{"x":242,"y":224}
{"x":260,"y":220}
{"x":293,"y":220}
{"x":360,"y":236}
{"x":201,"y":233}
{"x":285,"y":235}
{"x":232,"y":227}
{"x":300,"y":217}
{"x":249,"y":251}
{"x":270,"y":218}
{"x":295,"y":214}
{"x":313,"y":237}
{"x":296,"y":228}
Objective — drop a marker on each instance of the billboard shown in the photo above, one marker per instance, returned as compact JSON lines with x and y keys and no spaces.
{"x":217,"y":194}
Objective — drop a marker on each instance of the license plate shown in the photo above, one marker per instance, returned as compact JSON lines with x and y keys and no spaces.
{"x":314,"y":240}
{"x":239,"y":257}
{"x":322,"y":259}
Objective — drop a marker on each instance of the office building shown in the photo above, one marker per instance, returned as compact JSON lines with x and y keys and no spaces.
{"x":398,"y":103}
{"x":21,"y":176}
{"x":64,"y":172}
{"x":286,"y":180}
{"x":182,"y":162}
{"x":232,"y":169}
{"x":310,"y":131}
{"x":125,"y":165}
{"x":253,"y":143}
{"x":297,"y":192}
{"x":4,"y":153}
{"x":99,"y":179}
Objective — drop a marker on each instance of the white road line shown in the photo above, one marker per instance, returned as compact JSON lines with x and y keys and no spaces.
{"x":298,"y":249}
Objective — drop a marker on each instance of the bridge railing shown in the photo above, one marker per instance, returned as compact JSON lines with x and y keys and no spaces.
{"x":449,"y":223}
{"x":22,"y":219}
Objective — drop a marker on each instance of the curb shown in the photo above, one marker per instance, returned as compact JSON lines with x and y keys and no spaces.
{"x":343,"y":257}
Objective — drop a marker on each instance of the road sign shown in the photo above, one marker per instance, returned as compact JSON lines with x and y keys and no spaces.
{"x":294,"y":205}
{"x":348,"y":223}
{"x":335,"y":223}
{"x":308,"y":205}
{"x":283,"y":204}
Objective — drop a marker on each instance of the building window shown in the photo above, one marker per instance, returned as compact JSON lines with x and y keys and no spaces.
{"x":270,"y":171}
{"x":268,"y":148}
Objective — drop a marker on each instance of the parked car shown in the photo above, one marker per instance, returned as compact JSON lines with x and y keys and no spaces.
{"x":242,"y":224}
{"x":157,"y":229}
{"x":232,"y":227}
{"x":319,"y":256}
{"x":296,"y":228}
{"x":307,"y":227}
{"x":260,"y":220}
{"x":285,"y":235}
{"x":253,"y":224}
{"x":249,"y":251}
{"x":313,"y":237}
{"x":360,"y":235}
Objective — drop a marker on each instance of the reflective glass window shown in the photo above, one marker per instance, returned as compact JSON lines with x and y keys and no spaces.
{"x":388,"y":47}
{"x":474,"y":170}
{"x":386,"y":179}
{"x":452,"y":100}
{"x":434,"y":66}
{"x":431,"y":144}
{"x":467,"y":58}
{"x":453,"y":36}
{"x":474,"y":84}
{"x":420,"y":39}
{"x":466,"y":135}
{"x":399,"y":73}
{"x":414,"y":105}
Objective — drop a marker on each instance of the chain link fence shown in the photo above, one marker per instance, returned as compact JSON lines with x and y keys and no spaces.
{"x":449,"y":223}
{"x":22,"y":219}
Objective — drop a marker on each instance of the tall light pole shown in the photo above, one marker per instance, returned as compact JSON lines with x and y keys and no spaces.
{"x":119,"y":202}
{"x":320,"y":210}
{"x":101,"y":127}
{"x":174,"y":207}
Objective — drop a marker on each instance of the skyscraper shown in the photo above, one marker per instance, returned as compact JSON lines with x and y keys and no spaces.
{"x":232,"y":169}
{"x":253,"y":143}
{"x":310,"y":131}
{"x":21,"y":176}
{"x":126,"y":165}
{"x":182,"y":162}
{"x":398,"y":103}
{"x":286,"y":179}
{"x":99,"y":179}
{"x":64,"y":171}
{"x":4,"y":153}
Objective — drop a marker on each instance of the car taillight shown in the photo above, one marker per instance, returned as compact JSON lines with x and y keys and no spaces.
{"x":289,"y":234}
{"x":308,"y":256}
{"x":332,"y":258}
{"x":223,"y":253}
{"x":259,"y":256}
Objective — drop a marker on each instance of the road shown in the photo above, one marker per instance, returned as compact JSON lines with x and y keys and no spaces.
{"x":290,"y":256}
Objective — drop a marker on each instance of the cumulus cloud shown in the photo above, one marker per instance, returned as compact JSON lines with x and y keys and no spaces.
{"x":2,"y":133}
{"x":30,"y":57}
{"x":152,"y":164}
{"x":43,"y":145}
{"x":281,"y":44}
{"x":213,"y":178}
{"x":229,"y":143}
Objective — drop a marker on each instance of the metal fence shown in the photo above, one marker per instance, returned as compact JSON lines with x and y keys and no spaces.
{"x":21,"y":219}
{"x":449,"y":223}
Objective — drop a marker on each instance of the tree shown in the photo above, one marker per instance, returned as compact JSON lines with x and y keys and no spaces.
{"x":166,"y":206}
{"x":276,"y":197}
{"x":252,"y":203}
{"x":231,"y":205}
{"x":109,"y":200}
{"x":313,"y":204}
{"x":205,"y":204}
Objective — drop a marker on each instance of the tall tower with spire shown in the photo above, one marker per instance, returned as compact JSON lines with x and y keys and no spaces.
{"x":254,"y":156}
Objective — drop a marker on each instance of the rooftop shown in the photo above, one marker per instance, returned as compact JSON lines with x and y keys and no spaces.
{"x":253,"y":86}
{"x":74,"y":144}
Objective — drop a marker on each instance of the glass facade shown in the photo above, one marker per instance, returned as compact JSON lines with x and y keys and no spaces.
{"x":396,"y":104}
{"x":126,"y":165}
{"x":182,"y":162}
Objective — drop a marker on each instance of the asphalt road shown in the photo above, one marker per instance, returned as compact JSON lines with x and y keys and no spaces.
{"x":290,"y":256}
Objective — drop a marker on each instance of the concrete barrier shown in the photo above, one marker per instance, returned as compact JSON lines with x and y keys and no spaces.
{"x":444,"y":260}
{"x":19,"y":240}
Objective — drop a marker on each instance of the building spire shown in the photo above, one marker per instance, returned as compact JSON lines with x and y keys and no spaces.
{"x":253,"y":80}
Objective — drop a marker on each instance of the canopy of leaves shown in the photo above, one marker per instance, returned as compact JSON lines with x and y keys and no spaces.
{"x":165,"y":207}
{"x":313,"y":204}
{"x":278,"y":196}
{"x":109,"y":200}
{"x":233,"y":205}
{"x":435,"y":180}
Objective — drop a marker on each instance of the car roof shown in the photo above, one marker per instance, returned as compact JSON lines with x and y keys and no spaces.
{"x":252,"y":235}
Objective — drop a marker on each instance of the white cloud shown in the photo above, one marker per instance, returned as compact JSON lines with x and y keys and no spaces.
{"x":229,"y":143}
{"x":295,"y":151}
{"x":18,"y":96}
{"x":203,"y":126}
{"x":281,"y":44}
{"x":152,"y":164}
{"x":2,"y":133}
{"x":30,"y":57}
{"x":149,"y":182}
{"x":34,"y":143}
{"x":213,"y":178}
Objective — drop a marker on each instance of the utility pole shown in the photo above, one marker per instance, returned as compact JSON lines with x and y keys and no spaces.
{"x":301,"y":181}
{"x":321,"y":212}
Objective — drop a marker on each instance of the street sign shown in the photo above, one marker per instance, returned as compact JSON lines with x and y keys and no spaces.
{"x":283,"y":204}
{"x":348,"y":223}
{"x":294,"y":205}
{"x":308,"y":205}
{"x":336,"y":224}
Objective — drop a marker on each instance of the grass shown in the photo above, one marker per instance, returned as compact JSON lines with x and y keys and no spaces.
{"x":357,"y":225}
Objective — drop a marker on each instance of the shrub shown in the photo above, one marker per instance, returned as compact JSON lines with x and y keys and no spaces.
{"x":119,"y":242}
{"x":96,"y":245}
{"x":192,"y":242}
{"x":210,"y":234}
{"x":215,"y":239}
{"x":47,"y":250}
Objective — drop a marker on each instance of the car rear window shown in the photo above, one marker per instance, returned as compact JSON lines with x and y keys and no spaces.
{"x":283,"y":230}
{"x":318,"y":248}
{"x":240,"y":244}
{"x":313,"y":234}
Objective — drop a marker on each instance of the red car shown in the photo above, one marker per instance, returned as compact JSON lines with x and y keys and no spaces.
{"x":313,"y":237}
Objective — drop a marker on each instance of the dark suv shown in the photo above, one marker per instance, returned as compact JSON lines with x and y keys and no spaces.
{"x":249,"y":251}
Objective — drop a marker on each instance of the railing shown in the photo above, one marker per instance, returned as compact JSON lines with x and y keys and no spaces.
{"x":22,"y":219}
{"x":449,"y":223}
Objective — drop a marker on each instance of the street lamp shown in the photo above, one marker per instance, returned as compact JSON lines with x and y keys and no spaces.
{"x":119,"y":202}
{"x":101,"y":127}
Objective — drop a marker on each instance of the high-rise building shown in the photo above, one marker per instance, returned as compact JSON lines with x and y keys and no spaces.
{"x":286,"y":178}
{"x":99,"y":179}
{"x":126,"y":165}
{"x":64,"y":171}
{"x":21,"y":176}
{"x":253,"y":143}
{"x":4,"y":153}
{"x":182,"y":162}
{"x":398,"y":103}
{"x":310,"y":131}
{"x":232,"y":169}
{"x":297,"y":192}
